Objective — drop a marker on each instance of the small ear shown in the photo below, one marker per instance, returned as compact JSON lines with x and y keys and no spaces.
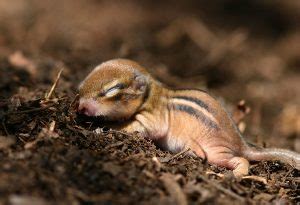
{"x":140,"y":82}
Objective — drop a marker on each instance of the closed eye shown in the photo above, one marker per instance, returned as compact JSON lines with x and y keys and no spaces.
{"x":114,"y":90}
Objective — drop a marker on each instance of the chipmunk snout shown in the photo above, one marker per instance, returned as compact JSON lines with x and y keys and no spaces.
{"x":88,"y":107}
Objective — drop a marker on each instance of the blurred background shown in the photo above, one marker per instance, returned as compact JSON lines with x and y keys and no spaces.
{"x":235,"y":49}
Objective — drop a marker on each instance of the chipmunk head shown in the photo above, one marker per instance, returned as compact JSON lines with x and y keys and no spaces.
{"x":114,"y":90}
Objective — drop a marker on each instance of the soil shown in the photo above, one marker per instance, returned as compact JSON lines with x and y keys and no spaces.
{"x":245,"y":53}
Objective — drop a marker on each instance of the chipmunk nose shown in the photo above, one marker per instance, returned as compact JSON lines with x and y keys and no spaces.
{"x":82,"y":109}
{"x":87,"y":108}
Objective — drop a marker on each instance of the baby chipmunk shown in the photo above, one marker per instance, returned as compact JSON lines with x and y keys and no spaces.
{"x":122,"y":90}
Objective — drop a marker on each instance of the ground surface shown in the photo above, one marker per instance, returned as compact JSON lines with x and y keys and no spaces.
{"x":50,"y":155}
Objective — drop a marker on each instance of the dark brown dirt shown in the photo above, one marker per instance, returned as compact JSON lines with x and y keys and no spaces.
{"x":51,"y":155}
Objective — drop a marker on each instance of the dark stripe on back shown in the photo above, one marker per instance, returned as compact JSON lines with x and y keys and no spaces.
{"x":195,"y":113}
{"x":195,"y":89}
{"x":197,"y":101}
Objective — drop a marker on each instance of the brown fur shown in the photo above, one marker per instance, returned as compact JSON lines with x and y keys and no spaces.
{"x":175,"y":119}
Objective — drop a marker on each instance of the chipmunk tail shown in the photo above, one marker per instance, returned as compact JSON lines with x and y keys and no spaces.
{"x":253,"y":153}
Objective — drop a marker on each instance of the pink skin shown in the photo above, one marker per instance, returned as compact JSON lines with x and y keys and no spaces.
{"x":223,"y":147}
{"x":175,"y":119}
{"x":88,"y":107}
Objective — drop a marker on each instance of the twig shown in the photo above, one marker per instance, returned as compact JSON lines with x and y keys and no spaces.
{"x":120,"y":132}
{"x":178,"y":154}
{"x":31,"y":110}
{"x":214,"y":173}
{"x":74,"y":101}
{"x":256,"y":178}
{"x":117,"y":144}
{"x":48,"y":96}
{"x":4,"y":128}
{"x":288,"y":173}
{"x":222,"y":189}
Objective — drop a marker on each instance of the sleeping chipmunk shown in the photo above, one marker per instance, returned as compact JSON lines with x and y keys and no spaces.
{"x":122,"y":90}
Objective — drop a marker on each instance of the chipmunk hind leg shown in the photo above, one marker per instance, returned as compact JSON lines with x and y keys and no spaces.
{"x":238,"y":165}
{"x":225,"y":157}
